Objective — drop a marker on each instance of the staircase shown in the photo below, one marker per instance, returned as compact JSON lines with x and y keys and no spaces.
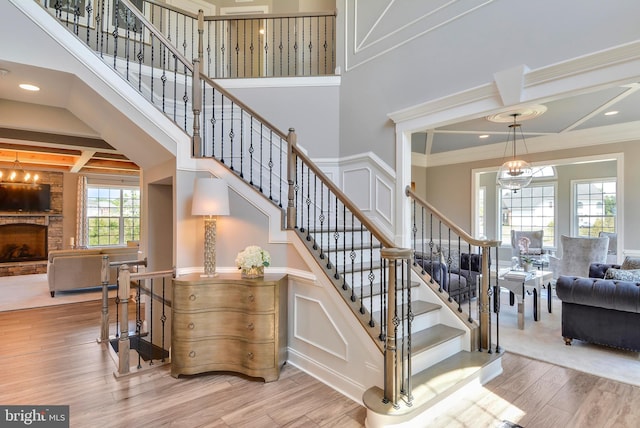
{"x":431,"y":347}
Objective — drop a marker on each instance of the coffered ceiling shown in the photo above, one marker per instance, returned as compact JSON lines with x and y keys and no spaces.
{"x":607,"y":115}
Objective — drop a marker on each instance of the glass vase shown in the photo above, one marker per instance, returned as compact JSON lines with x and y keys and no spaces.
{"x":253,"y":272}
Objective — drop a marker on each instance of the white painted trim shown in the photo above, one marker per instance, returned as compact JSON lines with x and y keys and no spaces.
{"x":280,"y":82}
{"x":338,"y":381}
{"x":344,"y":356}
{"x":244,"y":10}
{"x":353,"y":48}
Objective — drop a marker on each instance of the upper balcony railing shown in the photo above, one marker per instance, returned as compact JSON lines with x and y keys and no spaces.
{"x":246,"y":46}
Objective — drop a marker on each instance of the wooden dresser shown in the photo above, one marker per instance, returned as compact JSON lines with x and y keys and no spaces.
{"x":227,"y":323}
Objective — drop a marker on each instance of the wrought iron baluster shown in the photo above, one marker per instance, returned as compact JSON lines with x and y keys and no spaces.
{"x":315,"y":209}
{"x":308,"y":201}
{"x":270,"y":164}
{"x":232,"y":135}
{"x":282,"y":176}
{"x":261,"y":157}
{"x":336,"y":236}
{"x":251,"y":149}
{"x":222,"y":107}
{"x":321,"y":219}
{"x":150,"y":332}
{"x":163,"y":317}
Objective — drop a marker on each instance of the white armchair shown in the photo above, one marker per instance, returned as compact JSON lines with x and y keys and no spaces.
{"x":577,"y":254}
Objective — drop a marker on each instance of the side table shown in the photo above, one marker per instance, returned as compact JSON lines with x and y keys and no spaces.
{"x":519,"y":289}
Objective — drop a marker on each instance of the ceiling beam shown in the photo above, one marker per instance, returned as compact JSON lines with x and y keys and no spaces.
{"x":82,"y":161}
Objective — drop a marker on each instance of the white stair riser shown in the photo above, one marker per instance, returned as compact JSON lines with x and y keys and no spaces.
{"x":423,"y":321}
{"x":426,"y":359}
{"x":377,"y":298}
{"x":347,"y":239}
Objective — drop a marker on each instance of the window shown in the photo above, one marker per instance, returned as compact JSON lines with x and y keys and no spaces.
{"x":482,"y":202}
{"x":594,"y":207}
{"x":531,"y":208}
{"x":113,"y":215}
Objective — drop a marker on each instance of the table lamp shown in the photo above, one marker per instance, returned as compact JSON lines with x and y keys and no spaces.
{"x":210,"y":199}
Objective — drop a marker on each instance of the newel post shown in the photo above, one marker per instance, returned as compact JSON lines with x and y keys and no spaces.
{"x":196,"y":140}
{"x":104,"y":322}
{"x":124,"y":281}
{"x":394,"y":356}
{"x":485,"y":310}
{"x":291,"y":178}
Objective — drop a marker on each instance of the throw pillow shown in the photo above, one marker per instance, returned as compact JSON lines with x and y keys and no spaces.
{"x":630,"y":263}
{"x":632,"y":275}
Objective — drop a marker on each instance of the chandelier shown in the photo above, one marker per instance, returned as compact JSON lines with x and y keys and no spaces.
{"x":514,"y":174}
{"x":18,"y":175}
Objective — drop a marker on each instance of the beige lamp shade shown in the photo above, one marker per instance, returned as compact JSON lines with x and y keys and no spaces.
{"x":210,"y":197}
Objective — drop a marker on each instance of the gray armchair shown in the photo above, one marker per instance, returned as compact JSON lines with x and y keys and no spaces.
{"x":612,"y":253}
{"x":577,"y":254}
{"x":535,"y":238}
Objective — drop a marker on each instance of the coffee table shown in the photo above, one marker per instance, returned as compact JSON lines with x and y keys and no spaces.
{"x":519,"y":288}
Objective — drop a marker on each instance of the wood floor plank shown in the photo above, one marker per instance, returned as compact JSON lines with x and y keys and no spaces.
{"x":50,"y":356}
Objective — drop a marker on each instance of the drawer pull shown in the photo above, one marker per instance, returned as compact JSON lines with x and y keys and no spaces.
{"x":192,"y":297}
{"x":252,"y":297}
{"x":250,"y":355}
{"x":191,"y":326}
{"x":192,"y":354}
{"x":250,"y":326}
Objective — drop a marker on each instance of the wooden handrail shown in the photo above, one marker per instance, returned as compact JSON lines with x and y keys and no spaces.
{"x":187,"y":63}
{"x":386,"y":242}
{"x":450,"y":224}
{"x":240,"y":17}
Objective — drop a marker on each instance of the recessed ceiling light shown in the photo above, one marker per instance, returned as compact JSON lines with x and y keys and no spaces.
{"x":483,"y":136}
{"x":29,"y":87}
{"x":611,"y":113}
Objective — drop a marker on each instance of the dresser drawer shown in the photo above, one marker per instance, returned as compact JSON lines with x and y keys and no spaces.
{"x":225,"y":296}
{"x":198,"y":325}
{"x":223,"y":354}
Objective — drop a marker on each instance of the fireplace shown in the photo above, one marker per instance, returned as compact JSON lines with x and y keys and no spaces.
{"x":23,"y":242}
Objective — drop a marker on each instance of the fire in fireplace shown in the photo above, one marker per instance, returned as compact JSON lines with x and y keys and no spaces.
{"x":22,"y":242}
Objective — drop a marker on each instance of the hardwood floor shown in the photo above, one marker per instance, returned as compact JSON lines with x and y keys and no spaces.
{"x":49,"y":356}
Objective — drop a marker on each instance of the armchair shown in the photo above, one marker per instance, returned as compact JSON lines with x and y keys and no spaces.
{"x":612,"y":253}
{"x":533,"y":240}
{"x":577,"y":255}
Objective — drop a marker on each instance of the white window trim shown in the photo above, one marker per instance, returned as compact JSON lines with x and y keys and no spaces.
{"x":572,"y":222}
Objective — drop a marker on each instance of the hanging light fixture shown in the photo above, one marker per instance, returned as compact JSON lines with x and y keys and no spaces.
{"x":18,"y":174}
{"x":516,"y":173}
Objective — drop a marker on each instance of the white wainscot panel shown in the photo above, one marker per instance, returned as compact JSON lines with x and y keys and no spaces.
{"x":314,"y":325}
{"x":384,"y":200}
{"x":356,"y":185}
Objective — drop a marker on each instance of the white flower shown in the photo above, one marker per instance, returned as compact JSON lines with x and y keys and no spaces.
{"x":252,"y":256}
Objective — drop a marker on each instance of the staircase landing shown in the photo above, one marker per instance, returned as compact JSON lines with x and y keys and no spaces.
{"x":432,"y":388}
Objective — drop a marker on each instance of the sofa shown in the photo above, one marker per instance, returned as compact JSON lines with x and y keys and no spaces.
{"x":81,"y":268}
{"x":456,"y":273}
{"x":600,"y":309}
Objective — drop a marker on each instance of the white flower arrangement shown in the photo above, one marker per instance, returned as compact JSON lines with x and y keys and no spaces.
{"x":252,"y":256}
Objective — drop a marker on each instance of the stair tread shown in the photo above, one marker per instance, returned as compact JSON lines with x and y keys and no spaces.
{"x":419,"y":307}
{"x":431,"y":337}
{"x":377,"y":287}
{"x":435,"y":382}
{"x":334,"y":248}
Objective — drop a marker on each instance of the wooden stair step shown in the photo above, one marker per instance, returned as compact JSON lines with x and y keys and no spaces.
{"x":431,"y":337}
{"x":435,"y":383}
{"x":377,"y":287}
{"x":419,"y":307}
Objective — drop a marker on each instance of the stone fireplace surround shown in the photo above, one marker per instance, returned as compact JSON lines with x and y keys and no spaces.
{"x":51,"y":219}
